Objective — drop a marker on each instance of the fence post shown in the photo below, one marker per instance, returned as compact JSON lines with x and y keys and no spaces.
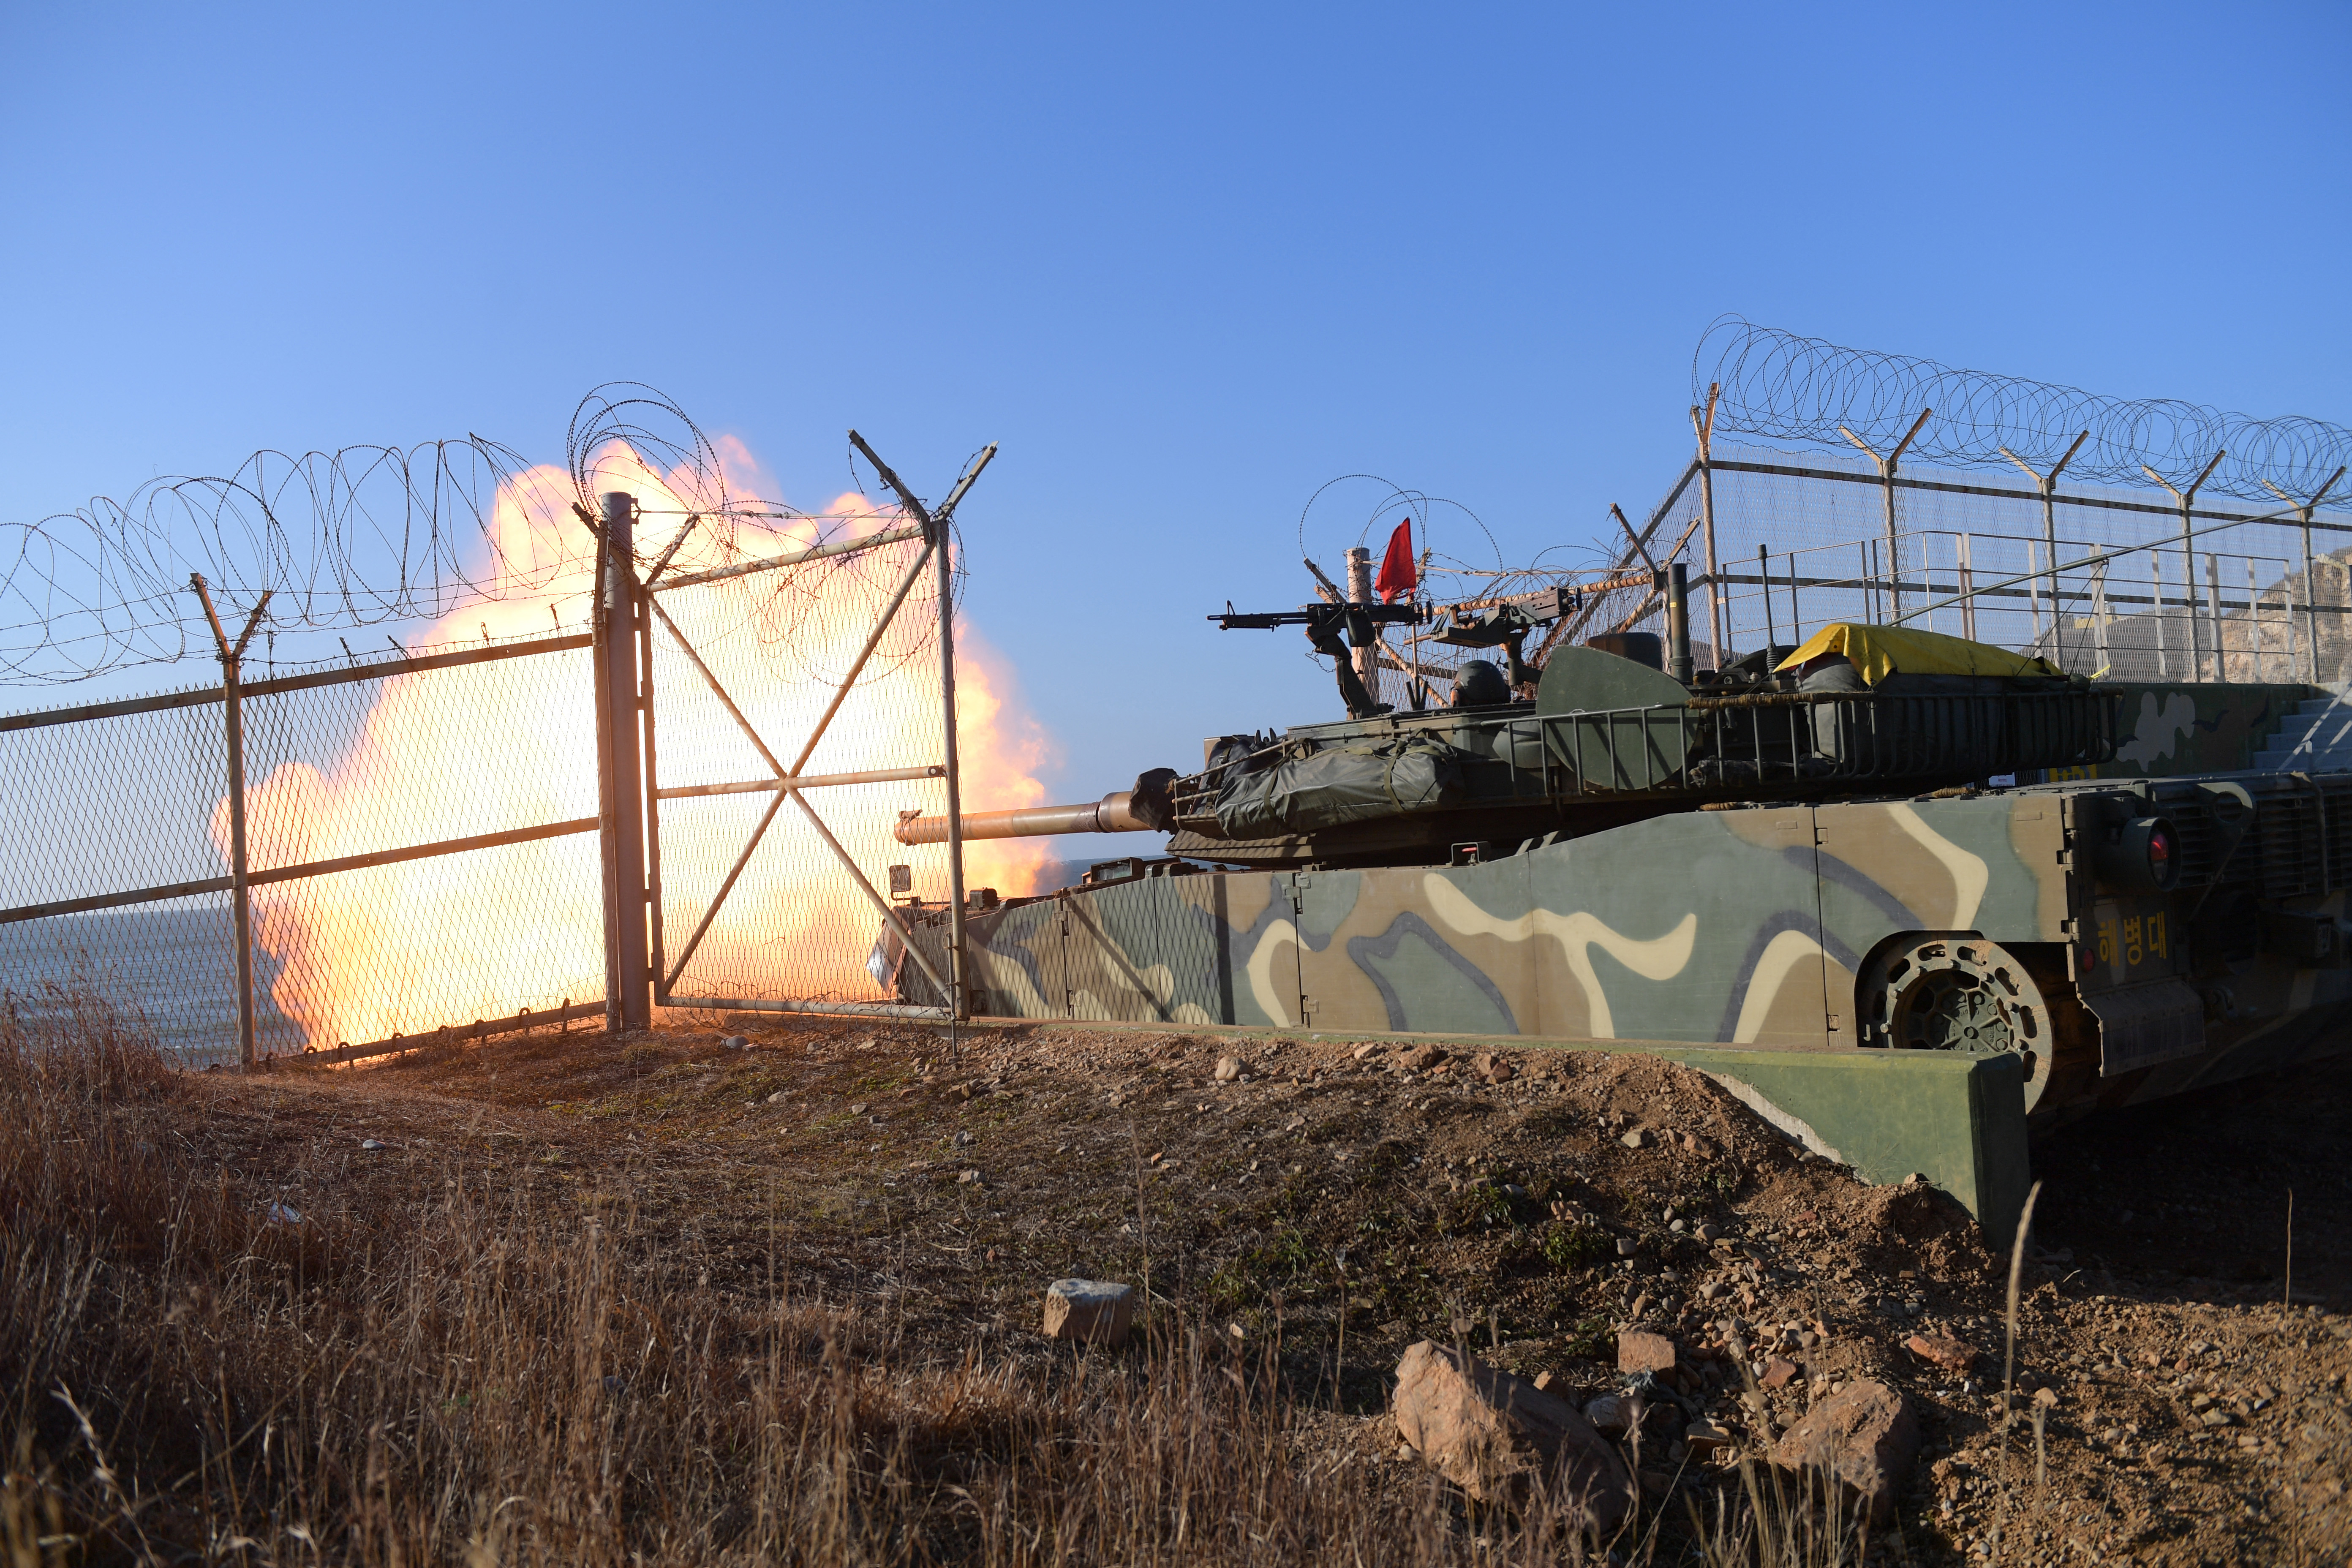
{"x":2253,"y":618}
{"x":1886,"y":466}
{"x":2048,"y":485}
{"x":1967,"y":586}
{"x":1718,"y":612}
{"x":2310,"y":596}
{"x":1367,"y":660}
{"x":959,"y":1000}
{"x":2213,"y":611}
{"x":621,"y":780}
{"x":2033,"y":598}
{"x":240,"y":890}
{"x":2188,"y":500}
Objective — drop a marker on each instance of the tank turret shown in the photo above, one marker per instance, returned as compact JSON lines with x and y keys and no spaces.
{"x":1600,"y":737}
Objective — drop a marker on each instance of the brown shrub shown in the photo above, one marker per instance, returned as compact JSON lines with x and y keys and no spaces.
{"x":193,"y":1372}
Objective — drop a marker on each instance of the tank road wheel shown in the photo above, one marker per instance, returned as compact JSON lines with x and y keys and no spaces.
{"x":1957,"y":992}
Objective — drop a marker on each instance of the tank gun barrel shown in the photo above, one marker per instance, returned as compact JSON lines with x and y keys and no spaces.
{"x":1113,"y":813}
{"x":1146,"y":808}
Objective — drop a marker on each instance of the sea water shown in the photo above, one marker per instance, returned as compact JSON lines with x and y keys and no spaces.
{"x":172,"y":969}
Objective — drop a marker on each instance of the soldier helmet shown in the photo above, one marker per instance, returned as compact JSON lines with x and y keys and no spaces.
{"x":1480,"y":685}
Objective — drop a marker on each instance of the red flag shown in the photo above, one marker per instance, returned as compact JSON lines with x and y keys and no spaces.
{"x":1396,"y":574}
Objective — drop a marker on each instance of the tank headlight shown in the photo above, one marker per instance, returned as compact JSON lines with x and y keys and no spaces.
{"x":2140,"y":856}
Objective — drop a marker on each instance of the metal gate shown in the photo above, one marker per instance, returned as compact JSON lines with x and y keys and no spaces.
{"x":765,"y":724}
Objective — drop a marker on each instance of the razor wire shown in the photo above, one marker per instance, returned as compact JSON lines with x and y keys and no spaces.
{"x":1779,"y":386}
{"x":370,"y":535}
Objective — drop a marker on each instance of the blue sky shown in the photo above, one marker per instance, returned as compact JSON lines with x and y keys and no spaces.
{"x":1184,"y":264}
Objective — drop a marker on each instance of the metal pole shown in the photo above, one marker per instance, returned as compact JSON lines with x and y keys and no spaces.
{"x":1678,"y":660}
{"x":2189,"y":571}
{"x":1359,"y":592}
{"x":653,"y":788}
{"x":2048,"y":485}
{"x":2187,"y":499}
{"x":2156,"y":590}
{"x":2033,"y":598}
{"x":2253,"y":618}
{"x":1764,"y":576}
{"x":627,"y":962}
{"x":2100,"y":616}
{"x":1886,"y":466}
{"x":607,"y":834}
{"x":958,"y":1000}
{"x":1796,"y":622}
{"x":1718,"y":612}
{"x":240,"y":883}
{"x":2310,"y":601}
{"x":1968,"y":591}
{"x":2213,"y":612}
{"x":2310,"y":579}
{"x":936,"y":527}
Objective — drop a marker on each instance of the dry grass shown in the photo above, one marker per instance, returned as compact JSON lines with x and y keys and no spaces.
{"x":191,"y":1372}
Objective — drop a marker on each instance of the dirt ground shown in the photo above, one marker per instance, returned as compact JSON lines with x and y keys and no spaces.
{"x":1344,"y":1201}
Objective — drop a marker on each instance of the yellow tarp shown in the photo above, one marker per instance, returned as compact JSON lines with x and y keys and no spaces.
{"x":1880,"y":651}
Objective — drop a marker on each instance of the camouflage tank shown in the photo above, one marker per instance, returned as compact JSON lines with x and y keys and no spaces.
{"x":1900,"y":892}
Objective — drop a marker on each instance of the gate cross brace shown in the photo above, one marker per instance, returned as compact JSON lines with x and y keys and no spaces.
{"x":787,"y":778}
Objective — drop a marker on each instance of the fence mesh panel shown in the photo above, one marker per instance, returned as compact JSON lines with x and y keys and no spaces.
{"x":795,"y":927}
{"x":360,"y":769}
{"x":2126,"y":616}
{"x":353,"y":768}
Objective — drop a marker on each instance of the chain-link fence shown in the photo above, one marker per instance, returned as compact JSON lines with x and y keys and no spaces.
{"x":2099,"y":580}
{"x":688,"y":802}
{"x":421,"y":850}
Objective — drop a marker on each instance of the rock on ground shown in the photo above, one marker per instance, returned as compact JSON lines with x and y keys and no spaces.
{"x":1639,"y":1350}
{"x":1496,"y":1435}
{"x":1088,"y":1312}
{"x":1864,"y":1438}
{"x":1955,"y":1356}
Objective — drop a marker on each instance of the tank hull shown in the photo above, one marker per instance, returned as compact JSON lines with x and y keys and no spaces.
{"x":1910,"y":950}
{"x":1739,"y":927}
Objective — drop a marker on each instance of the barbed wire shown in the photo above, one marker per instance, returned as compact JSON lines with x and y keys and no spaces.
{"x":1783,"y":387}
{"x":368,"y":535}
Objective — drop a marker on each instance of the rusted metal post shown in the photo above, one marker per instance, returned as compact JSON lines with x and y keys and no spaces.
{"x":958,"y":999}
{"x":1718,"y":612}
{"x":1359,"y":592}
{"x":1886,"y":466}
{"x":627,"y":964}
{"x":232,"y":656}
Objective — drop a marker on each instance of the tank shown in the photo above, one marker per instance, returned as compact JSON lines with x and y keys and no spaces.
{"x":1908,"y":895}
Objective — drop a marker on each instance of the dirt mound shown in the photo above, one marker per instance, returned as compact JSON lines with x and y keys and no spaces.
{"x":1329,"y":1202}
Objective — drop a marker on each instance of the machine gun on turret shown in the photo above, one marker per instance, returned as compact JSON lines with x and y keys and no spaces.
{"x":1324,"y":623}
